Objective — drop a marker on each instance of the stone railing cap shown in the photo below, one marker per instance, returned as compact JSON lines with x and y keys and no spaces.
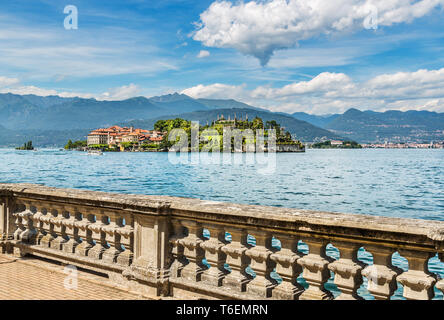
{"x":253,"y":215}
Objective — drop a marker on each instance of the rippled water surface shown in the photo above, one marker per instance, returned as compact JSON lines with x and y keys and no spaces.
{"x":395,"y":183}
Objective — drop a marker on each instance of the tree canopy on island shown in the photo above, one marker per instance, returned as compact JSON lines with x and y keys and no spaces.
{"x":74,"y":145}
{"x":26,"y":146}
{"x":282,"y":136}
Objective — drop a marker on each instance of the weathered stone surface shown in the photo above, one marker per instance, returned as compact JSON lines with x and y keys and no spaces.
{"x":214,"y":255}
{"x":161,"y":246}
{"x":347,"y":270}
{"x":316,"y":271}
{"x":237,"y":260}
{"x":193,"y":251}
{"x":418,"y":282}
{"x":262,"y":265}
{"x":382,"y":274}
{"x":288,"y":269}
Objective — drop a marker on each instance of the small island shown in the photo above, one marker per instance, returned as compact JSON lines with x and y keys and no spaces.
{"x":26,"y":146}
{"x":129,"y":139}
{"x":284,"y":140}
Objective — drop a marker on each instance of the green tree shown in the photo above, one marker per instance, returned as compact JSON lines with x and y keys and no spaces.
{"x":257,"y":124}
{"x":68,"y":146}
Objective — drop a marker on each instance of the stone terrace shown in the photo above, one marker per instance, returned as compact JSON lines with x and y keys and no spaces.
{"x":170,"y":247}
{"x":34,"y":279}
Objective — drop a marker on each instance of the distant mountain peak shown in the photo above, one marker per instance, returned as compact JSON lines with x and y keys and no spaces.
{"x":352,"y":111}
{"x":140,"y":98}
{"x":172,"y":97}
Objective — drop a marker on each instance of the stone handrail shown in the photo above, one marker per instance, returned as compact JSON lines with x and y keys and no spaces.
{"x":187,"y":248}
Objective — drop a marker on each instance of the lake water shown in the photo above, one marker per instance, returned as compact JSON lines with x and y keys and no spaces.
{"x":386,"y":182}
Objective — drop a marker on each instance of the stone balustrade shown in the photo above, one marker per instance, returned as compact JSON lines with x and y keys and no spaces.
{"x":194,"y":249}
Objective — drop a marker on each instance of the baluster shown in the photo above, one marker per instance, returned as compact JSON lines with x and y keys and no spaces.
{"x":28,"y":235}
{"x":19,"y":225}
{"x":126,"y":239}
{"x":237,"y":260}
{"x":193,"y":252}
{"x":418,"y":282}
{"x":48,"y":222}
{"x":99,"y":237}
{"x":73,"y":231}
{"x":347,"y":269}
{"x":316,"y":271}
{"x":177,"y":251}
{"x":288,"y":269}
{"x":382,"y":274}
{"x":60,"y":230}
{"x":38,"y":225}
{"x":262,"y":285}
{"x":215,"y":256}
{"x":113,"y":239}
{"x":86,"y":235}
{"x":440,"y":284}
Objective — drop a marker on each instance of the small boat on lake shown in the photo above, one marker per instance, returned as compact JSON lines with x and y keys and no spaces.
{"x":95,"y":153}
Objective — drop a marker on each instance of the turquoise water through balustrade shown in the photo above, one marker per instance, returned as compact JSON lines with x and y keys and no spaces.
{"x":394,"y":183}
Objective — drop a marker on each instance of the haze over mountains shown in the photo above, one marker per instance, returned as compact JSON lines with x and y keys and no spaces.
{"x":371,"y":126}
{"x":299,"y":129}
{"x":55,"y":113}
{"x":52,"y":120}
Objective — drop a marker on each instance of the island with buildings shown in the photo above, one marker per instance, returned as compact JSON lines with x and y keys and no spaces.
{"x":130,"y":139}
{"x":336,"y":144}
{"x":118,"y":138}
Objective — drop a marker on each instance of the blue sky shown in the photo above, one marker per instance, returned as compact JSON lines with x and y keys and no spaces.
{"x":251,"y":51}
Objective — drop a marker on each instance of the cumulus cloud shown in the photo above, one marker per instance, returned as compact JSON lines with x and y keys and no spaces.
{"x":121,"y":93}
{"x":216,"y":91}
{"x":203,"y":54}
{"x":258,"y":28}
{"x":337,"y":92}
{"x":325,"y":82}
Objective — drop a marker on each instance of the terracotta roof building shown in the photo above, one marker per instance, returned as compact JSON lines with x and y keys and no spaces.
{"x":116,"y":135}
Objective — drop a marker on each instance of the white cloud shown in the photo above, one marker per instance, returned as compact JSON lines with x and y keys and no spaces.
{"x":259,"y":28}
{"x":325,"y":82}
{"x":337,"y":92}
{"x":325,"y":93}
{"x":203,"y":54}
{"x":24,"y":90}
{"x":46,"y":53}
{"x":121,"y":93}
{"x":4,"y":81}
{"x":216,"y":91}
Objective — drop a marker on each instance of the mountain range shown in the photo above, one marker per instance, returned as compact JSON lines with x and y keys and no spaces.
{"x":371,"y":126}
{"x":52,"y":120}
{"x":301,"y":130}
{"x":55,"y":113}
